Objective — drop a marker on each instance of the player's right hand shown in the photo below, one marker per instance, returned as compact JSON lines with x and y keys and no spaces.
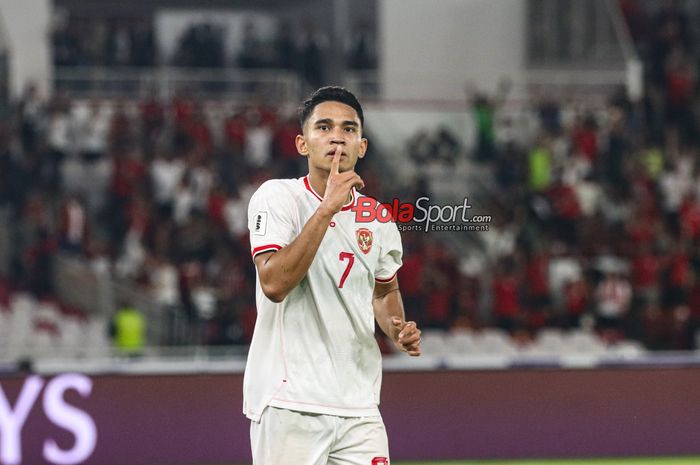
{"x":339,"y":184}
{"x":406,"y":336}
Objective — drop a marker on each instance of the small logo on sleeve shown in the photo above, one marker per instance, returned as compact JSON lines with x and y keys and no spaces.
{"x":380,"y":461}
{"x":364,"y":240}
{"x":260,"y":224}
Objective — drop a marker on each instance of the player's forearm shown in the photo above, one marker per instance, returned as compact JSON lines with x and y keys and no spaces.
{"x":386,"y":307}
{"x":282,"y":271}
{"x":389,"y":313}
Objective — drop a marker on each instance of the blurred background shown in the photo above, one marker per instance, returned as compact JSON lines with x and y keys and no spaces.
{"x":133,"y":133}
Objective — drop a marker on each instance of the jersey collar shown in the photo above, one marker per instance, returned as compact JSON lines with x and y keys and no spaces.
{"x":347,"y":206}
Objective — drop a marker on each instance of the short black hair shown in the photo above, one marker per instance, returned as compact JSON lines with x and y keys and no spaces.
{"x":330,"y":94}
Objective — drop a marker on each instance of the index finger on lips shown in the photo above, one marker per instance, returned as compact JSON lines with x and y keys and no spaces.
{"x":335,"y":164}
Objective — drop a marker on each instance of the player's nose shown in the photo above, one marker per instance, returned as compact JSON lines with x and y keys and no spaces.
{"x":338,"y":133}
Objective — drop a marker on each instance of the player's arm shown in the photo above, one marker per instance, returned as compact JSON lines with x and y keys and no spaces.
{"x":389,"y":313}
{"x":281,"y":271}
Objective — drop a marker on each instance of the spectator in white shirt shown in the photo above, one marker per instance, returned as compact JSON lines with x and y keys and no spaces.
{"x":59,"y":144}
{"x":166,"y":173}
{"x":612,"y":297}
{"x":92,"y":129}
{"x":258,"y":143}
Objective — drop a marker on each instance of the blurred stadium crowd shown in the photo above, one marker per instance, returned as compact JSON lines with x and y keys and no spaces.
{"x":144,"y":191}
{"x":600,"y":208}
{"x":596,"y":210}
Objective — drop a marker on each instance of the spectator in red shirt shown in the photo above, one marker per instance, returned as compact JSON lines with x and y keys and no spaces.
{"x":680,"y":86}
{"x":640,"y":230}
{"x":412,"y":279}
{"x":285,"y":149}
{"x":694,"y":317}
{"x":537,"y":289}
{"x":690,"y":218}
{"x":575,"y":301}
{"x":505,"y":295}
{"x":120,"y":128}
{"x":678,"y":276}
{"x":646,"y":273}
{"x":200,"y":133}
{"x":216,"y":205}
{"x":231,"y":163}
{"x":235,"y":129}
{"x":128,"y":180}
{"x":152,"y":121}
{"x":183,"y":110}
{"x":585,"y":139}
{"x":467,"y":303}
{"x":537,"y":273}
{"x":566,"y":211}
{"x":438,"y":301}
{"x":182,"y":107}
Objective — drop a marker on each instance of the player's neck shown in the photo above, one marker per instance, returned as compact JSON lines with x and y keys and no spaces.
{"x":318,"y":180}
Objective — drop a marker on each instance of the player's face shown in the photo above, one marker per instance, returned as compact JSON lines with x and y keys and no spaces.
{"x":329,"y":125}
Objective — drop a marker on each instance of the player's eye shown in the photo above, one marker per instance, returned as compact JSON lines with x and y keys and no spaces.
{"x":324,"y":127}
{"x":350,"y":129}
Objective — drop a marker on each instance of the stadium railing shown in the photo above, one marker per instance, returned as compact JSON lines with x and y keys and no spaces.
{"x":166,"y":82}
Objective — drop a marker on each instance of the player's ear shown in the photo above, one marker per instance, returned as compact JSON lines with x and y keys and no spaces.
{"x":300,"y":142}
{"x":363,"y":148}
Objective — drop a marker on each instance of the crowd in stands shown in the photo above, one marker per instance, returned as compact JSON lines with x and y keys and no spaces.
{"x":596,"y":211}
{"x":596,"y":224}
{"x":598,"y":208}
{"x":153,"y":192}
{"x":150,"y":189}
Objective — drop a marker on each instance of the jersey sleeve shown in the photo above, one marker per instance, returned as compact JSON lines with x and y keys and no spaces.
{"x":390,"y":254}
{"x":270,"y":219}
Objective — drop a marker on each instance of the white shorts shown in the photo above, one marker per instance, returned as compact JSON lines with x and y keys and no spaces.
{"x":286,"y":437}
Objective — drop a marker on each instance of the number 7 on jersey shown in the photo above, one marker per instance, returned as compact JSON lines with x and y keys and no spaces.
{"x":351,"y":261}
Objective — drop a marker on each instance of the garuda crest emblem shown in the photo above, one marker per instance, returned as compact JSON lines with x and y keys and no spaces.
{"x":364,"y":239}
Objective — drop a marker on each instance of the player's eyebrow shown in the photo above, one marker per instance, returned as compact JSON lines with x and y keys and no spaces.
{"x":330,"y":122}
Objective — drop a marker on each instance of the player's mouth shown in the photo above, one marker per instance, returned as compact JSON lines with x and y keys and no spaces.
{"x":331,"y":154}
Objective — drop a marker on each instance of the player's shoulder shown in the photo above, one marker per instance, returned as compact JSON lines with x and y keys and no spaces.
{"x":283,"y":184}
{"x":280,"y":194}
{"x":274,"y":187}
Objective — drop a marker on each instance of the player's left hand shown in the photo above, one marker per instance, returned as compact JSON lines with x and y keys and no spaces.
{"x":406,"y":336}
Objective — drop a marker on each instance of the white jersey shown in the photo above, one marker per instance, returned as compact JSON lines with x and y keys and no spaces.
{"x":315,"y":351}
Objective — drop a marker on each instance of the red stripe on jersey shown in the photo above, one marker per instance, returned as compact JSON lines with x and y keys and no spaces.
{"x":311,"y":189}
{"x":266,"y":248}
{"x":346,"y":207}
{"x":386,"y":280}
